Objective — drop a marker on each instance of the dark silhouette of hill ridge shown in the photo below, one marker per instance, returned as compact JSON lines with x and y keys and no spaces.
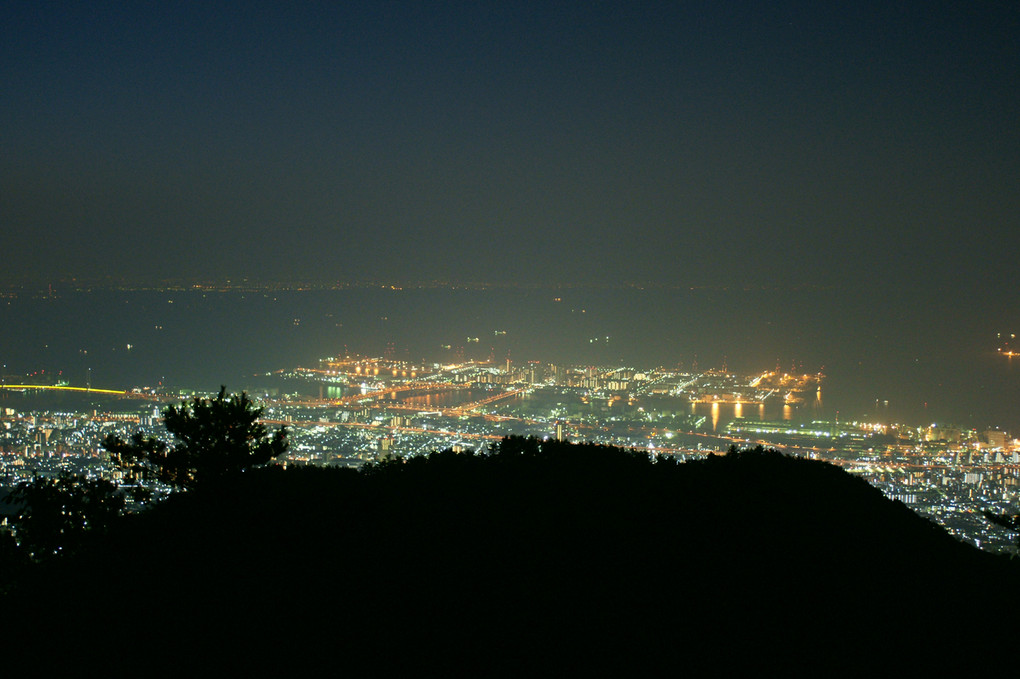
{"x":541,"y":545}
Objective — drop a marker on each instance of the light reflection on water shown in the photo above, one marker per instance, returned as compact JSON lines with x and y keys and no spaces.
{"x":721,"y":414}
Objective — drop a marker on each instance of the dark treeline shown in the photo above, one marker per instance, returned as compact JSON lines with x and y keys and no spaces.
{"x":535,"y":552}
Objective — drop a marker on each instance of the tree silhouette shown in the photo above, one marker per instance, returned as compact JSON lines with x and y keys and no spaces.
{"x":213,"y":438}
{"x":13,"y":559}
{"x":55,"y":513}
{"x":1008,"y":521}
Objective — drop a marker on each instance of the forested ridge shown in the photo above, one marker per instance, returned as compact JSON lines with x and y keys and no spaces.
{"x":536,"y":544}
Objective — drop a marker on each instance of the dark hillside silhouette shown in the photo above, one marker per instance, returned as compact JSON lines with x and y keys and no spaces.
{"x":534,"y":551}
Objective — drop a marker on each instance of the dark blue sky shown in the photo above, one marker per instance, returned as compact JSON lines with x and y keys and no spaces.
{"x":680,"y":143}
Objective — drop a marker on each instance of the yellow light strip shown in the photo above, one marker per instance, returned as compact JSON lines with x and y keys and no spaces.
{"x":44,"y":386}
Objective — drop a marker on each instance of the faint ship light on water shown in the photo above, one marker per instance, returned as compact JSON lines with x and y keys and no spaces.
{"x":1006,"y":350}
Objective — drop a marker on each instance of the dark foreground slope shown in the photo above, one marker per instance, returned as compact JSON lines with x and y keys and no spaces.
{"x":541,"y":551}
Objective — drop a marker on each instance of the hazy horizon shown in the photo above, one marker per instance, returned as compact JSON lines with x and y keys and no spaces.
{"x":679,"y":144}
{"x":934,"y":362}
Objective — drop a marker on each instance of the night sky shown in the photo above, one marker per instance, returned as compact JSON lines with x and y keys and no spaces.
{"x":676,"y":143}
